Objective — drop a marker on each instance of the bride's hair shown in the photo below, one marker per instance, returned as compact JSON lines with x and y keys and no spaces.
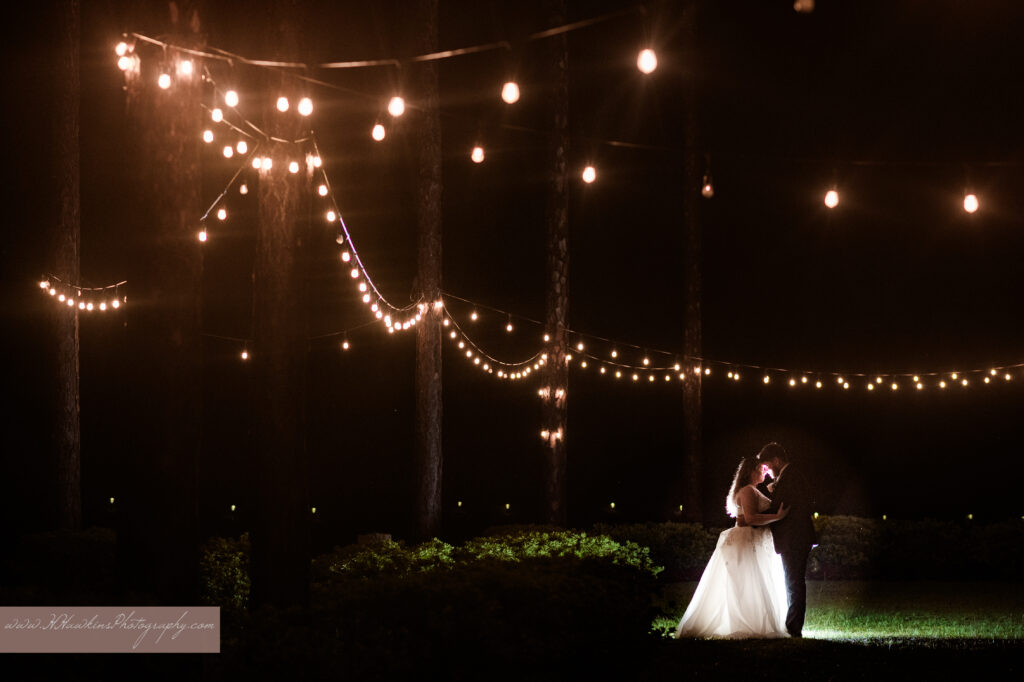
{"x":741,"y":479}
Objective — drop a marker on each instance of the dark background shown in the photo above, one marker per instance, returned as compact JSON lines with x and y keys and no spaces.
{"x":900,"y":104}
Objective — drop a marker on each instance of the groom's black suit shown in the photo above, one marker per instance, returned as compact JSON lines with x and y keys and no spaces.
{"x":793,"y":536}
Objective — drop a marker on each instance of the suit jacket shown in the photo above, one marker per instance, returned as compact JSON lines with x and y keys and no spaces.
{"x":796,"y":531}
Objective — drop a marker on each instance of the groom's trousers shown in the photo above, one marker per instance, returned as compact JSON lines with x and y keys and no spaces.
{"x":794,"y":563}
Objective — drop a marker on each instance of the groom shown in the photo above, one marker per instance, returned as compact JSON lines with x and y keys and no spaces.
{"x":793,"y":535}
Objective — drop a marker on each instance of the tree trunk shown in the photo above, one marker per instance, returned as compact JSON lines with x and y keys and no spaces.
{"x":555,"y":395}
{"x":281,"y":535}
{"x":429,"y":456}
{"x":692,"y":345}
{"x":159,"y":505}
{"x":64,"y":255}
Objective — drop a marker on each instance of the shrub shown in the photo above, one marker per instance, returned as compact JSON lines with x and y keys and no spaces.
{"x":224,"y":572}
{"x":682,"y":548}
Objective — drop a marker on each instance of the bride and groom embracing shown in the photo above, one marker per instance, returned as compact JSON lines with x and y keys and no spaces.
{"x":754,"y":584}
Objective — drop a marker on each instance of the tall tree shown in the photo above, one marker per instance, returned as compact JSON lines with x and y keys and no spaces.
{"x":555,"y":396}
{"x":159,"y":532}
{"x":692,"y":268}
{"x":64,"y":256}
{"x":281,"y":535}
{"x":429,"y":456}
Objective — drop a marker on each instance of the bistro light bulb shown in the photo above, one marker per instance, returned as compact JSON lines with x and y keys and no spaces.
{"x":971,"y":203}
{"x":217,"y":115}
{"x":322,"y":190}
{"x":293,"y":167}
{"x":245,"y":355}
{"x":396,"y":106}
{"x":831,"y":198}
{"x":378,"y":132}
{"x":305,"y":106}
{"x":207,"y":136}
{"x":345,"y":257}
{"x":477,"y":154}
{"x":257,"y":163}
{"x":317,"y":161}
{"x":185,"y":67}
{"x":707,"y":190}
{"x":354,"y":273}
{"x":647,"y":61}
{"x":124,"y":63}
{"x":164,"y":81}
{"x":121,"y":49}
{"x":242,"y":147}
{"x":510,"y":92}
{"x":282,"y":104}
{"x":268,"y":163}
{"x":202,"y":235}
{"x":229,"y":151}
{"x":508,"y":327}
{"x":331,"y":216}
{"x":589,"y":174}
{"x":222,"y":214}
{"x":231,"y":98}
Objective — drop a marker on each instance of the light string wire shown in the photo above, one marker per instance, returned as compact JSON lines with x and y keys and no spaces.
{"x":70,"y":294}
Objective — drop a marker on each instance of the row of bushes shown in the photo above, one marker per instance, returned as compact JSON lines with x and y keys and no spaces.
{"x":852,"y":547}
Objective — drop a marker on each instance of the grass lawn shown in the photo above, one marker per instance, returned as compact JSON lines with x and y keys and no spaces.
{"x":866,"y":630}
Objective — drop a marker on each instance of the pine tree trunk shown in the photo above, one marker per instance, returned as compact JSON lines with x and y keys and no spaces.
{"x":429,"y":455}
{"x":65,"y":258}
{"x":159,"y":519}
{"x":281,"y":535}
{"x":554,"y":399}
{"x":692,"y":344}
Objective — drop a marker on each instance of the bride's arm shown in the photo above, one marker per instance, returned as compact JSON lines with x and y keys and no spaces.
{"x":748,"y":500}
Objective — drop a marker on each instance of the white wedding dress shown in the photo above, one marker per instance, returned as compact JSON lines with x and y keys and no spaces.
{"x":742,"y":593}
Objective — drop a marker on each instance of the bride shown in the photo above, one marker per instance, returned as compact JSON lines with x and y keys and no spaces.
{"x":743,"y":590}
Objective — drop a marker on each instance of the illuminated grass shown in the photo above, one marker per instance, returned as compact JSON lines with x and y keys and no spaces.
{"x":911,"y":613}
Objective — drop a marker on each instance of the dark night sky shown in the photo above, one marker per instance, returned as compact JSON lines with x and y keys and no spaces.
{"x":901,"y":104}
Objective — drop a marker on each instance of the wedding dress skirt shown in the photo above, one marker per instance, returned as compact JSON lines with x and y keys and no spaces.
{"x":742,"y":593}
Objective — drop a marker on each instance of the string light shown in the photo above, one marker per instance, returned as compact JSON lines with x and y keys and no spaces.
{"x":164,"y":81}
{"x":202,"y":235}
{"x":477,"y":155}
{"x":831,"y":198}
{"x":208,"y":136}
{"x":378,"y":132}
{"x":396,"y":107}
{"x":647,"y":61}
{"x":510,"y":92}
{"x":322,"y":191}
{"x":305,"y":106}
{"x":222,"y":214}
{"x":185,"y":68}
{"x":216,"y":115}
{"x":229,"y":151}
{"x":971,"y":203}
{"x":121,"y":49}
{"x":242,"y":147}
{"x":293,"y":167}
{"x":589,"y":174}
{"x":331,"y":216}
{"x":282,"y":104}
{"x":231,"y":98}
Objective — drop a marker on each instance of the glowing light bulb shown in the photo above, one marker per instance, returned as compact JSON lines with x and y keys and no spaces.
{"x":579,"y":346}
{"x":1007,"y":376}
{"x":589,"y":174}
{"x":510,"y":92}
{"x":202,"y":235}
{"x":317,"y":162}
{"x":121,"y":49}
{"x":305,"y":106}
{"x":964,"y":382}
{"x":268,"y":163}
{"x":473,"y":316}
{"x":396,"y":106}
{"x":217,"y":115}
{"x":707,"y":190}
{"x":792,"y":382}
{"x":322,"y":190}
{"x":103,"y":305}
{"x":871,"y":387}
{"x":88,"y":306}
{"x":647,"y":61}
{"x":185,"y":67}
{"x":245,"y":355}
{"x":231,"y":98}
{"x":378,"y":132}
{"x":54,"y":291}
{"x":242,"y":147}
{"x":767,"y":379}
{"x":207,"y":136}
{"x":477,"y":155}
{"x":647,"y":362}
{"x":971,"y":203}
{"x":354,"y":273}
{"x":293,"y":167}
{"x":44,"y":284}
{"x":229,"y":151}
{"x":953,"y":376}
{"x":222,"y":214}
{"x":615,"y":353}
{"x":164,"y":81}
{"x":817,"y":384}
{"x":331,"y":216}
{"x":362,"y":286}
{"x":70,"y":302}
{"x":942,"y":384}
{"x":508,"y":327}
{"x":920,"y":386}
{"x":895,"y":386}
{"x":831,"y":198}
{"x":115,"y":303}
{"x":125,"y":63}
{"x":257,"y":163}
{"x":282,"y":104}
